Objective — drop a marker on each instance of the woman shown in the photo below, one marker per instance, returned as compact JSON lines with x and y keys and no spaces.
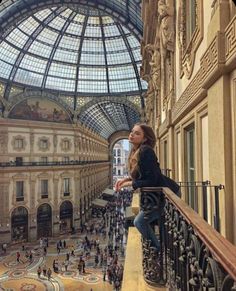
{"x":144,"y":172}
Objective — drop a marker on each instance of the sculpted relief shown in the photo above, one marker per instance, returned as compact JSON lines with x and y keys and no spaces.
{"x":167,"y":38}
{"x":153,"y":81}
{"x":161,"y":60}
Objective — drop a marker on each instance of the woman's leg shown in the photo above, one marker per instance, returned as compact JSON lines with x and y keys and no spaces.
{"x":143,"y":225}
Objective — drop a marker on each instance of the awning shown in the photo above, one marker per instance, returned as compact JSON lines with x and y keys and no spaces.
{"x":99,"y":203}
{"x":129,"y":215}
{"x":108,"y":192}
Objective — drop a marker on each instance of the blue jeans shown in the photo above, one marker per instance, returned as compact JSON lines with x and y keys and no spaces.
{"x":143,"y":226}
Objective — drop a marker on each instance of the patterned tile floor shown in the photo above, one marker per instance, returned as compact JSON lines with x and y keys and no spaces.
{"x":22,"y":276}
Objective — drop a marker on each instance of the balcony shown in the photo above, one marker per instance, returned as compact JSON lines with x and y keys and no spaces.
{"x":20,"y":198}
{"x":49,"y":164}
{"x":44,"y":195}
{"x":193,"y":255}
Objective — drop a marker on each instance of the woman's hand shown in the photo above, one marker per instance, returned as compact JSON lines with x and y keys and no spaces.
{"x":122,"y":183}
{"x":127,"y":184}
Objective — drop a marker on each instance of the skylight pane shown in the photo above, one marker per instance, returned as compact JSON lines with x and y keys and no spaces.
{"x":58,"y":84}
{"x":17,"y":38}
{"x":29,"y":78}
{"x":8,"y":53}
{"x":33,"y":64}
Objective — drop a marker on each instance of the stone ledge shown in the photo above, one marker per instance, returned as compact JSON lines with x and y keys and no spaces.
{"x":133,"y":272}
{"x":135,"y":203}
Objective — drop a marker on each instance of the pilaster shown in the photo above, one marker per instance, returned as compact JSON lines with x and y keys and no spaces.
{"x":220,"y":149}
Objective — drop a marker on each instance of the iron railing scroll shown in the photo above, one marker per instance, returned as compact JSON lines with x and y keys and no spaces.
{"x":193,"y":255}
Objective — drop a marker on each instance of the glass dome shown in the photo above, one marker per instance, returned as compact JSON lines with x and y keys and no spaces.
{"x":80,"y":51}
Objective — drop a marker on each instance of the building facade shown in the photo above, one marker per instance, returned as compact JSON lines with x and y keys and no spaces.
{"x":120,"y":158}
{"x":189,"y":60}
{"x":50,"y":173}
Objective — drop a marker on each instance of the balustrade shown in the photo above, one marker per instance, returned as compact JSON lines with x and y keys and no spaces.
{"x":48,"y":164}
{"x":193,"y":255}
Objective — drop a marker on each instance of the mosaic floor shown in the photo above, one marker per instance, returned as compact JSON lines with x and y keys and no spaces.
{"x":23,"y":276}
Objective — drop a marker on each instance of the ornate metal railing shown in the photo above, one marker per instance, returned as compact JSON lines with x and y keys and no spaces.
{"x":48,"y":164}
{"x":193,"y":255}
{"x":204,"y":191}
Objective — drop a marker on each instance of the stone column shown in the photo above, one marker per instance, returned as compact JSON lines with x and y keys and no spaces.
{"x":32,"y":220}
{"x":56,"y":213}
{"x":4,"y":146}
{"x":5,"y":231}
{"x":32,"y":139}
{"x":76,"y":199}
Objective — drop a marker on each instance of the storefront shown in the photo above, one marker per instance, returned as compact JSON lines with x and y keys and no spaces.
{"x":19,"y":224}
{"x":66,"y":217}
{"x":44,"y":221}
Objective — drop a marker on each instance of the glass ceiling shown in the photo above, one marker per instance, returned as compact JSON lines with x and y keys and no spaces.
{"x":108,"y":117}
{"x":82,"y":51}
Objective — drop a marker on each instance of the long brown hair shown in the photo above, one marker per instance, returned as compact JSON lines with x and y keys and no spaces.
{"x":150,"y":140}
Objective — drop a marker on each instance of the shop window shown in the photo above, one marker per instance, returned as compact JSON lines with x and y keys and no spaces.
{"x":66,"y":186}
{"x":20,"y":191}
{"x":44,"y":189}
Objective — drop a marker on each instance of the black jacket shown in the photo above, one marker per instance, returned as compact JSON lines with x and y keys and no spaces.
{"x":149,"y":169}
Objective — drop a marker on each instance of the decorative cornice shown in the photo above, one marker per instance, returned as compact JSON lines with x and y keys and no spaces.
{"x":219,"y":58}
{"x":191,"y":95}
{"x":213,"y":60}
{"x":230,"y":41}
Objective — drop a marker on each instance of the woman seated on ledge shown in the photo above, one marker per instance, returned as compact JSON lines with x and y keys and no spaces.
{"x":145,"y":172}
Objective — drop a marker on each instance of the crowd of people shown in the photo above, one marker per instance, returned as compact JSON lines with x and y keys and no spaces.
{"x":101,"y":240}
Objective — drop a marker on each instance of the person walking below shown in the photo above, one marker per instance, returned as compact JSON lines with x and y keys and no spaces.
{"x":66,"y":265}
{"x":49,"y":273}
{"x":44,"y":271}
{"x":39,"y":271}
{"x":18,"y":257}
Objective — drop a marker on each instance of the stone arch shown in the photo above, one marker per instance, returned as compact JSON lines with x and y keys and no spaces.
{"x":37,"y":95}
{"x":120,"y":100}
{"x":113,"y":139}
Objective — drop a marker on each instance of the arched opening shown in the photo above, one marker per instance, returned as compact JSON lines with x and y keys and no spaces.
{"x":120,"y":159}
{"x":66,"y":217}
{"x":44,"y":221}
{"x":19,"y":224}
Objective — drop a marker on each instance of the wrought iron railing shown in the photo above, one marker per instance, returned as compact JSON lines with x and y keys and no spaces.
{"x":193,"y":255}
{"x":48,"y":164}
{"x":206,"y":192}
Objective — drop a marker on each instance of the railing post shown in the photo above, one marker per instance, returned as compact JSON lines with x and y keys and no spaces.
{"x":204,"y":199}
{"x":217,"y":207}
